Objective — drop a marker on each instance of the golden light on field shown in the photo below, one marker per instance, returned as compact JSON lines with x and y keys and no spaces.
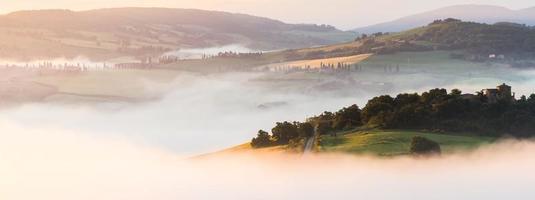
{"x":317,"y":63}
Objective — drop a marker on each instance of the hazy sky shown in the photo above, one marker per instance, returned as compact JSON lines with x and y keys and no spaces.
{"x":344,"y":14}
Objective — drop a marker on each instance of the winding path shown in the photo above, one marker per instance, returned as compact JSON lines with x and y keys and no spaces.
{"x":309,"y":143}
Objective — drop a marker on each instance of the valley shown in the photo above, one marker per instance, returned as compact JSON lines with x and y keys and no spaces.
{"x":378,"y":64}
{"x":267,"y":100}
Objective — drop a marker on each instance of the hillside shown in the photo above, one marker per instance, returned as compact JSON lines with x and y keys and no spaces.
{"x":376,"y":143}
{"x":395,"y":142}
{"x":453,"y":119}
{"x":473,"y":41}
{"x":114,"y":32}
{"x":454,"y":41}
{"x":475,"y":13}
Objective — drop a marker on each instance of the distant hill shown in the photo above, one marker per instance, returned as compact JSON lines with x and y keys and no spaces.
{"x":473,"y":13}
{"x":137,"y":31}
{"x":473,"y":41}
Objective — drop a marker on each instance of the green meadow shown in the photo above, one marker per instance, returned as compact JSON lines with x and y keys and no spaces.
{"x":396,"y":142}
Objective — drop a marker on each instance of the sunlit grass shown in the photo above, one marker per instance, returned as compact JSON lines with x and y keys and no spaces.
{"x":396,"y":142}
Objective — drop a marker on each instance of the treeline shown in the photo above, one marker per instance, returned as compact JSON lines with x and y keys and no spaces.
{"x":435,"y":110}
{"x":438,"y":110}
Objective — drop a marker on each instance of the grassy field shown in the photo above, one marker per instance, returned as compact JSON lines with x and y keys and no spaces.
{"x":392,"y":143}
{"x":407,"y":72}
{"x":428,"y":61}
{"x":316,"y":63}
{"x":436,"y":68}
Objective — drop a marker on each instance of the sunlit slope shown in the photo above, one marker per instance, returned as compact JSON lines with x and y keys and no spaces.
{"x":105,"y":33}
{"x":452,"y":41}
{"x":246,"y":147}
{"x":316,"y":63}
{"x":396,"y":142}
{"x":476,"y":41}
{"x":418,"y":71}
{"x":377,"y":142}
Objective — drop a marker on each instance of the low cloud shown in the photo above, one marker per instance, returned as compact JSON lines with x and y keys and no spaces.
{"x":203,"y":113}
{"x":141,"y":151}
{"x":58,"y":164}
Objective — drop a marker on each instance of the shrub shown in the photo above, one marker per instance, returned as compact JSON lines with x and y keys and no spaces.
{"x":423,"y":146}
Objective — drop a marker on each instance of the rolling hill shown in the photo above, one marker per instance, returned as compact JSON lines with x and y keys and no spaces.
{"x":452,"y":40}
{"x":473,"y":41}
{"x":387,"y":143}
{"x":474,"y":13}
{"x":114,"y":32}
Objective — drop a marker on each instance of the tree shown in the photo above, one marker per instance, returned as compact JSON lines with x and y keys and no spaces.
{"x":409,"y":116}
{"x":347,"y":118}
{"x":423,"y":146}
{"x":305,"y":130}
{"x":283,"y":132}
{"x":263,"y":139}
{"x":324,"y":127}
{"x":456,"y":92}
{"x":434,"y":95}
{"x":374,"y":107}
{"x":406,"y":99}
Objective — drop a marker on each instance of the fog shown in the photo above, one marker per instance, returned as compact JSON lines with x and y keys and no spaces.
{"x":204,"y":113}
{"x":201,"y":113}
{"x":52,"y":163}
{"x":197,"y":53}
{"x":143,"y":150}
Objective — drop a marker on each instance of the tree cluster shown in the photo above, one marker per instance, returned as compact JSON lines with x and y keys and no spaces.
{"x":282,"y":134}
{"x":435,"y":110}
{"x":345,"y":119}
{"x":439,"y":111}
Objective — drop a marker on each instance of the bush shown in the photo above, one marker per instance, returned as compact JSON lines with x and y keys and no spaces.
{"x":423,"y":146}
